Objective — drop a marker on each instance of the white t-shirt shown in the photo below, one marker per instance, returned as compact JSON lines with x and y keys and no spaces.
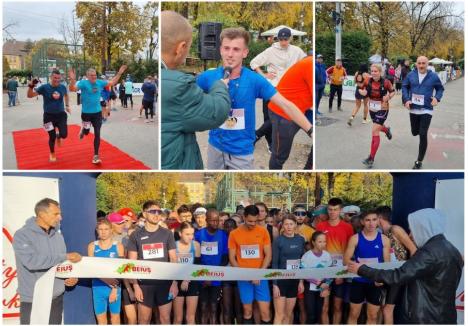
{"x":310,"y":260}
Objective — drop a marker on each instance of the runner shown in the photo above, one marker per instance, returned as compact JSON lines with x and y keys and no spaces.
{"x":319,"y":214}
{"x":214,"y":252}
{"x":54,"y":116}
{"x":250,"y":247}
{"x":316,"y":292}
{"x":129,"y":301}
{"x":261,"y":221}
{"x":303,"y":229}
{"x":105,"y":97}
{"x":359,"y":78}
{"x":106,"y":292}
{"x":91,"y":112}
{"x":338,"y":234}
{"x":199,"y":216}
{"x":401,"y":248}
{"x":153,"y":243}
{"x":118,"y":225}
{"x":336,"y":75}
{"x":368,"y":246}
{"x":287,"y":252}
{"x":379,"y":91}
{"x":417,"y":95}
{"x":223,"y":216}
{"x":188,"y":252}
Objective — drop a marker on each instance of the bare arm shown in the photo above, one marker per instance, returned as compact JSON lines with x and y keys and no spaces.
{"x":116,"y":78}
{"x":232,"y":258}
{"x":352,"y":243}
{"x":72,"y":78}
{"x":31,"y":92}
{"x":292,"y":111}
{"x":172,"y":256}
{"x":267,"y":258}
{"x":386,"y":248}
{"x":405,"y":240}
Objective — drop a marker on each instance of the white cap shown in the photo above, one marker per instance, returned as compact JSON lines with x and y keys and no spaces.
{"x":351,"y":209}
{"x":199,"y":211}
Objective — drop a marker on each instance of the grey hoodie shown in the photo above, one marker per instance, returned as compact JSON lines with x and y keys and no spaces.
{"x":36,"y":252}
{"x":425,"y":224}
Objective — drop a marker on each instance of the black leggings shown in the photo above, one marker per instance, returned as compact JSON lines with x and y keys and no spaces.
{"x":338,"y":89}
{"x":419,"y":126}
{"x":128,"y":96}
{"x":313,"y":303}
{"x":59,"y":121}
{"x":232,"y":307}
{"x":266,"y":129}
{"x":148,"y":105}
{"x":96,"y":121}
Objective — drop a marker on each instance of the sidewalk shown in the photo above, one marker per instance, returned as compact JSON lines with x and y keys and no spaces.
{"x":339,"y":146}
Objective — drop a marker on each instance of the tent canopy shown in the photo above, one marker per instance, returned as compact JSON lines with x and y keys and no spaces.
{"x":274,"y":31}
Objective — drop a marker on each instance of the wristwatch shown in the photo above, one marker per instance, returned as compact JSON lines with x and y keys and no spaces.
{"x":310,"y":131}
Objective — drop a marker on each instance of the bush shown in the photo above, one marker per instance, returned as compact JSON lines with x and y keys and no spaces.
{"x":18,"y":73}
{"x":355,"y":48}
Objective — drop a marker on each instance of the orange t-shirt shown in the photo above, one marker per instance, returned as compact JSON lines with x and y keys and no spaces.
{"x":296,"y":86}
{"x":336,"y":74}
{"x":249,"y":245}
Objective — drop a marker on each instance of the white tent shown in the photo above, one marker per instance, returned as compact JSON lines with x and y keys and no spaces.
{"x":274,"y":31}
{"x":376,"y":58}
{"x":437,"y":61}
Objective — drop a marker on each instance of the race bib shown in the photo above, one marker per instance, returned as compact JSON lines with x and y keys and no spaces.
{"x":375,"y":105}
{"x":293,"y":264}
{"x":184,"y":258}
{"x":250,"y":251}
{"x":209,"y":248}
{"x":235,"y":121}
{"x":153,"y":250}
{"x":417,"y":99}
{"x":337,"y":260}
{"x":368,"y":260}
{"x":86,"y":124}
{"x":48,"y":126}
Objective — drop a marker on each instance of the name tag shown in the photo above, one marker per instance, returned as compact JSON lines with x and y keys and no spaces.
{"x":368,"y":260}
{"x":153,"y":250}
{"x":86,"y":124}
{"x":293,"y":264}
{"x":250,"y":252}
{"x":337,"y":260}
{"x":48,"y":126}
{"x":375,"y":105}
{"x":236,"y":120}
{"x":209,"y":248}
{"x":185,"y":257}
{"x":417,"y":99}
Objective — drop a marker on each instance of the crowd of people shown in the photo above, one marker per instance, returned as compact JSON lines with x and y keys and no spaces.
{"x":421,"y":90}
{"x":223,"y":100}
{"x":253,"y":237}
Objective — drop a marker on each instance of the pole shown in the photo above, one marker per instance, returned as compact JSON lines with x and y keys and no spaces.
{"x":338,"y":31}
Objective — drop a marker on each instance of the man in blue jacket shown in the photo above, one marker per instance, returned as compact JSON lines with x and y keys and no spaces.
{"x":320,"y":81}
{"x":418,"y":97}
{"x":38,"y":246}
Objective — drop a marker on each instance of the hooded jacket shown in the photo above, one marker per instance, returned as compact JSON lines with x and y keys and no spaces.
{"x":430,"y":278}
{"x":36,"y":251}
{"x":320,"y":75}
{"x":430,"y":83}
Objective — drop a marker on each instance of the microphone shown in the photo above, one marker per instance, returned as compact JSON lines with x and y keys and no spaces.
{"x":227,"y":72}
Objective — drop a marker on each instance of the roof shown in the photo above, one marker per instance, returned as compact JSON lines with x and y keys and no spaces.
{"x":14,"y":48}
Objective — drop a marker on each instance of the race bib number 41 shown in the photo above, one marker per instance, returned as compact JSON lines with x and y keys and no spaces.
{"x":250,"y":251}
{"x":153,"y":250}
{"x":209,"y":248}
{"x":417,"y":99}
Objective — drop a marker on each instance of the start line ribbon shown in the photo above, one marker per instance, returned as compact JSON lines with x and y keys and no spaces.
{"x":96,"y":267}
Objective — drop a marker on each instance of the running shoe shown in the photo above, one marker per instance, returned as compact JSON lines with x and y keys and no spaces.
{"x":369,"y":162}
{"x":96,"y":159}
{"x":329,"y":110}
{"x":340,"y":109}
{"x":146,"y":121}
{"x":364,"y":121}
{"x":52,"y":158}
{"x":417,"y":165}
{"x":151,"y":120}
{"x":388,"y":133}
{"x":350,"y":121}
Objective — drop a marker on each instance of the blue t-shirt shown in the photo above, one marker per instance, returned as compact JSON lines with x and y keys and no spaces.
{"x":148,"y":89}
{"x":208,"y":242}
{"x":53,"y":97}
{"x":91,"y":95}
{"x":237,"y":135}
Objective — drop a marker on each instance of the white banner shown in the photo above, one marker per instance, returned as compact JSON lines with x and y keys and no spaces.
{"x":137,"y":89}
{"x":449,"y":199}
{"x":94,"y":267}
{"x":349,"y":88}
{"x":27,"y":191}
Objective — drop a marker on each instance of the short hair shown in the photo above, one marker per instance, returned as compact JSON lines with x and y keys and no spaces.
{"x":235,"y":32}
{"x":262,"y":204}
{"x":224,"y":214}
{"x":100,"y":213}
{"x":103,"y":220}
{"x":55,"y":72}
{"x":384,"y":212}
{"x":251,"y":210}
{"x":211,"y":211}
{"x":147,"y":204}
{"x":230,"y":221}
{"x":183,"y":209}
{"x":89,"y":70}
{"x":335,"y":201}
{"x":298,"y":206}
{"x":289,"y":217}
{"x":44,"y":204}
{"x":367,"y":213}
{"x":174,"y":29}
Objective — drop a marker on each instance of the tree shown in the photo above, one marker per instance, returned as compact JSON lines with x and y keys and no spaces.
{"x":150,"y":13}
{"x":6,"y":65}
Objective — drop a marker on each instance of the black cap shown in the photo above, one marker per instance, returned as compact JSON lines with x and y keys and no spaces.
{"x":284,"y":33}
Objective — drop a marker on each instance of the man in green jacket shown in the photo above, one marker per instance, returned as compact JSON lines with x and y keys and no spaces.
{"x":185,"y":108}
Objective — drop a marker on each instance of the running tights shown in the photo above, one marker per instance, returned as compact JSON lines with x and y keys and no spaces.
{"x":419,"y":126}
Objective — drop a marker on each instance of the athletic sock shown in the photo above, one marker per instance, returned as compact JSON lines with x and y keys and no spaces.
{"x":374,"y":146}
{"x":384,"y":129}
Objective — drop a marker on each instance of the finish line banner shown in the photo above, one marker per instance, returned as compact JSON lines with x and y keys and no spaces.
{"x":94,"y":267}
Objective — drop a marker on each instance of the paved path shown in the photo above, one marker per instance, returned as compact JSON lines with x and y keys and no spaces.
{"x":123,"y":129}
{"x":339,"y":146}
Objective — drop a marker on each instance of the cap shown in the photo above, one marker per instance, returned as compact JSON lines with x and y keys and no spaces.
{"x":115,"y":218}
{"x":319,"y":56}
{"x":200,"y":211}
{"x":320,"y":209}
{"x":351,"y":209}
{"x":129,"y":212}
{"x":284,"y":33}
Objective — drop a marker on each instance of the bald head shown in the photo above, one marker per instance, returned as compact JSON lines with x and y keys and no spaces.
{"x":174,"y":29}
{"x":421,"y":64}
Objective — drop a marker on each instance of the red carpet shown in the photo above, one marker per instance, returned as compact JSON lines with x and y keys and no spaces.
{"x":32,"y":152}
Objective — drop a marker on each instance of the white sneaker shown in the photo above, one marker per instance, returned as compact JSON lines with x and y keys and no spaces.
{"x":364,"y":121}
{"x":151,"y":120}
{"x":146,"y":121}
{"x":96,"y":159}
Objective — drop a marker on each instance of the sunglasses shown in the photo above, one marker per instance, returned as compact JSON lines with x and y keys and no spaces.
{"x":300,"y":213}
{"x":155,"y":211}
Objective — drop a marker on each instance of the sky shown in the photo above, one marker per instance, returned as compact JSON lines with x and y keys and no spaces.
{"x":38,"y":19}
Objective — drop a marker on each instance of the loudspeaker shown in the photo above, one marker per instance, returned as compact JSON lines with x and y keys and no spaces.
{"x":208,"y":40}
